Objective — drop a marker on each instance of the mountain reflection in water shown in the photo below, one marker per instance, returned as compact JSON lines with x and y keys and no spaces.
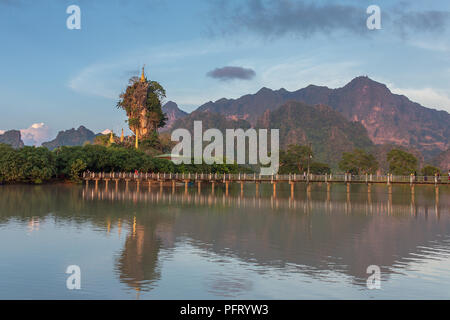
{"x":315,"y":235}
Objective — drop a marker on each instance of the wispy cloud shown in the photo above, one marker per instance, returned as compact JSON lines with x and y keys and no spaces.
{"x":428,"y":97}
{"x":232,"y":73}
{"x":107,"y":79}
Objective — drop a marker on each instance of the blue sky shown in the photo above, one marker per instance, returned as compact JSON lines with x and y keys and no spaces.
{"x":60,"y":78}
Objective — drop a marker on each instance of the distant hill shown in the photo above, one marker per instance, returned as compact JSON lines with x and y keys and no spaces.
{"x":442,"y":160}
{"x":13,"y":138}
{"x":388,"y":118}
{"x":71,"y":137}
{"x":329,"y":132}
{"x":173,"y":113}
{"x":210,"y":120}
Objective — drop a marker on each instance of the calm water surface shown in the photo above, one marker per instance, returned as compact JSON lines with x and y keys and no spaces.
{"x":155,"y":244}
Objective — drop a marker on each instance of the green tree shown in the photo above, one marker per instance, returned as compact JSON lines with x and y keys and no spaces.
{"x":295,"y":159}
{"x":358,"y":162}
{"x":430,"y":170}
{"x":319,"y":168}
{"x":401,"y":162}
{"x":76,"y":168}
{"x":142,"y":104}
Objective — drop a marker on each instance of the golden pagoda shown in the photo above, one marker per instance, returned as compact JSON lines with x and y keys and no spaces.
{"x":111,"y":138}
{"x":143,"y":79}
{"x":122,"y":137}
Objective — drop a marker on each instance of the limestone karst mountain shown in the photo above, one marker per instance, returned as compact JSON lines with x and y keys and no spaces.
{"x":329,"y":132}
{"x":71,"y":137}
{"x":389,"y":118}
{"x":173,"y":113}
{"x":13,"y":138}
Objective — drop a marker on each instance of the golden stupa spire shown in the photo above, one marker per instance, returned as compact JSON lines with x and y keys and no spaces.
{"x":143,"y":79}
{"x":111,"y":138}
{"x":137,"y":141}
{"x":121,"y":136}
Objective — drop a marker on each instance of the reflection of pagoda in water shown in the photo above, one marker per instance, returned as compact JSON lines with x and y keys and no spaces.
{"x":137,"y":264}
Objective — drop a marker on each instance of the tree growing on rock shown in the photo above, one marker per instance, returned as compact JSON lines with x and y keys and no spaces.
{"x":142,"y":104}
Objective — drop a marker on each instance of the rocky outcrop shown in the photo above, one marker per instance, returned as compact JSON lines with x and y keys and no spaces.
{"x":13,"y":138}
{"x":173,"y":113}
{"x":71,"y":137}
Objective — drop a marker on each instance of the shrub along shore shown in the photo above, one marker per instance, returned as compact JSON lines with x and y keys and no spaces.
{"x":37,"y":165}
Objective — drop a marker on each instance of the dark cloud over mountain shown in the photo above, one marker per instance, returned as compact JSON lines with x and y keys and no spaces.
{"x":306,"y":18}
{"x":231,"y":73}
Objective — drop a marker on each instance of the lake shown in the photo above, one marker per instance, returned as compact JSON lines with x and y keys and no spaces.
{"x":158,"y":244}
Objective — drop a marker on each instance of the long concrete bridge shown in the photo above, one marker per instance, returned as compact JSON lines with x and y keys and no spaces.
{"x":179,"y":179}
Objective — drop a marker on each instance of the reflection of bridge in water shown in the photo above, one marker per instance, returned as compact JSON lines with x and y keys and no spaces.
{"x":368,"y":206}
{"x":176,"y":180}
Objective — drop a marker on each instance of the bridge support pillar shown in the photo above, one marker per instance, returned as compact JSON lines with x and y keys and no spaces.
{"x":292,"y":189}
{"x":226,"y":188}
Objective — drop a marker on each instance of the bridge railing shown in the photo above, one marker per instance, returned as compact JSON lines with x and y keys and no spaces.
{"x":246,"y":177}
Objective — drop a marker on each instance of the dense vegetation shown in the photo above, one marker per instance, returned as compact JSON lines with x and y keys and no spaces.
{"x":401,"y":162}
{"x":38,"y":165}
{"x":358,"y":162}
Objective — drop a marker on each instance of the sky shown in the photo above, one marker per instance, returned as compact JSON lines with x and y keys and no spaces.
{"x":53,"y":78}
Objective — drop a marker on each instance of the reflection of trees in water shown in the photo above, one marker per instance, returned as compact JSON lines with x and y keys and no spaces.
{"x":313,"y":237}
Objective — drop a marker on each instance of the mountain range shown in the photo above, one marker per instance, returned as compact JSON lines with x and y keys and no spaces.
{"x":362,"y":114}
{"x":388,"y":118}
